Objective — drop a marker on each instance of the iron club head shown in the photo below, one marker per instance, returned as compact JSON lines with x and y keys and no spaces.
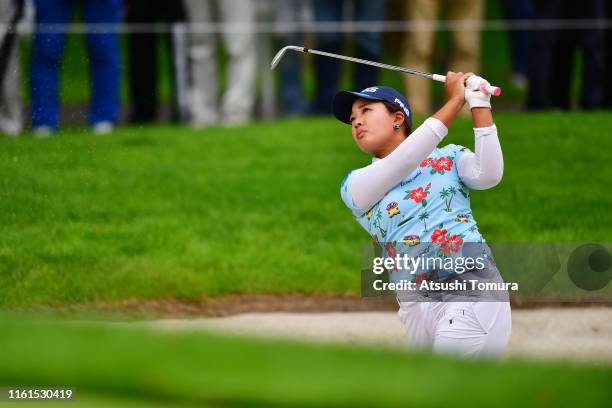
{"x":279,"y":55}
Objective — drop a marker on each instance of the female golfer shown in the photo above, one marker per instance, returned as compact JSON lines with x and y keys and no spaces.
{"x":415,"y":195}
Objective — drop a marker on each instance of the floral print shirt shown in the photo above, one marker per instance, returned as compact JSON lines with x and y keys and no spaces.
{"x":429,"y":205}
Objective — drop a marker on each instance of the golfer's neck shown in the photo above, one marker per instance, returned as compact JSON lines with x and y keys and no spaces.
{"x":388,"y":149}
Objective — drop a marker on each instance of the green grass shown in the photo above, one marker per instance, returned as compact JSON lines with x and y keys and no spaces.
{"x":177,"y":368}
{"x":173,"y":212}
{"x":86,"y":399}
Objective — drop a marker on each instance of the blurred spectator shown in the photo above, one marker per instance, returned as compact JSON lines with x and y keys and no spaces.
{"x":291,"y":85}
{"x":608,"y":63}
{"x":11,"y":12}
{"x":419,"y":47}
{"x":239,"y":98}
{"x":103,"y":48}
{"x":368,"y":46}
{"x":143,"y":47}
{"x":519,"y":39}
{"x":552,"y":52}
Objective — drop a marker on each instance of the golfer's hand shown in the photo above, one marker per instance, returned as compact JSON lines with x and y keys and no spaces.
{"x":474,"y":96}
{"x":455,"y":86}
{"x":455,"y":92}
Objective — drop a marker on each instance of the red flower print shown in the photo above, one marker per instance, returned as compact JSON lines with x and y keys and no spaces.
{"x":452,"y":244}
{"x":442,"y":164}
{"x":427,"y":162}
{"x":439,"y":235}
{"x":418,"y":194}
{"x":421,"y":277}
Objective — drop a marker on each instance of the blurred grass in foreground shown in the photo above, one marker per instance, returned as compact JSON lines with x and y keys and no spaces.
{"x":136,"y":363}
{"x":173,"y":212}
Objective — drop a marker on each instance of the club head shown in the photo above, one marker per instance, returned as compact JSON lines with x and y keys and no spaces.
{"x":279,"y":55}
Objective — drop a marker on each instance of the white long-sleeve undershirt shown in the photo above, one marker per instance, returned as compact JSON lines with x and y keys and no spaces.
{"x":480,"y":170}
{"x":485,"y":167}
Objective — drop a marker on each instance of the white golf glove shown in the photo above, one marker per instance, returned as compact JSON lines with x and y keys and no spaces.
{"x":474,"y":97}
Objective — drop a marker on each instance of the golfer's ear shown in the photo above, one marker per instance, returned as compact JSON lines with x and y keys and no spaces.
{"x":399,"y":117}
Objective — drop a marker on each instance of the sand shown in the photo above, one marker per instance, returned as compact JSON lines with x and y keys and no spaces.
{"x":576,"y":334}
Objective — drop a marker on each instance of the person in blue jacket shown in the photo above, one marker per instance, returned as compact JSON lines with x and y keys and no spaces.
{"x":52,"y":18}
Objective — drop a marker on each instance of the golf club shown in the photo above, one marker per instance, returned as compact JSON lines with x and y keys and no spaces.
{"x":483,"y":86}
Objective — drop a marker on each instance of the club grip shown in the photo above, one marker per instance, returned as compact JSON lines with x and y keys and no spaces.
{"x":493,"y":90}
{"x":478,"y":83}
{"x":474,"y":84}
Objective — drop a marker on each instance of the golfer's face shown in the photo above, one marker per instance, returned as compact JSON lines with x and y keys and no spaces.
{"x":371,"y":124}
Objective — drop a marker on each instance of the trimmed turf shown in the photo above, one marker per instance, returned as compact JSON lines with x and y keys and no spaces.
{"x":174,"y":212}
{"x":228,"y":371}
{"x":86,"y":399}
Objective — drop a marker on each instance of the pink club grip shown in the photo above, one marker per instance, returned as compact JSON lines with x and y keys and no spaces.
{"x":474,"y":82}
{"x":478,"y":83}
{"x":493,"y":90}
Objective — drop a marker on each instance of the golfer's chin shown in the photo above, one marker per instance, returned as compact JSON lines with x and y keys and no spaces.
{"x":368,"y":146}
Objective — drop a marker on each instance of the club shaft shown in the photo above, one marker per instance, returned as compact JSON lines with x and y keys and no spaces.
{"x":372,"y":63}
{"x":487,"y":88}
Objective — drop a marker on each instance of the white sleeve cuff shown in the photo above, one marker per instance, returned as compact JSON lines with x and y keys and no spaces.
{"x":437,"y":127}
{"x":485,"y":131}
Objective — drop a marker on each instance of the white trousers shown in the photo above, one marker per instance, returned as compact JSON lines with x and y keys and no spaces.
{"x":239,"y":98}
{"x":467,"y":329}
{"x":10,"y":99}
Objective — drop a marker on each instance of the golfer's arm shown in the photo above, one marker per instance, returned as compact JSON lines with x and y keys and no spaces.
{"x":485,"y":167}
{"x":369,"y":184}
{"x":448,"y":112}
{"x":482,"y":117}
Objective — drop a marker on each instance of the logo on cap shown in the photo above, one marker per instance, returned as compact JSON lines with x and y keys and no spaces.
{"x":401,"y":104}
{"x":371,"y":89}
